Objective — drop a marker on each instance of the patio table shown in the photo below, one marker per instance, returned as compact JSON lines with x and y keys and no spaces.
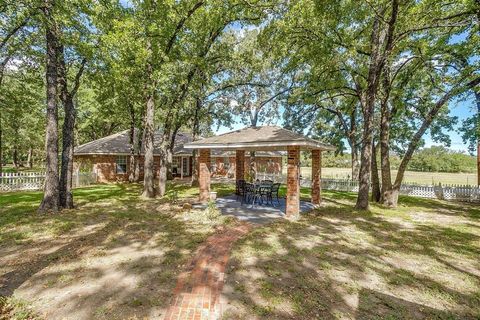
{"x":258,"y":190}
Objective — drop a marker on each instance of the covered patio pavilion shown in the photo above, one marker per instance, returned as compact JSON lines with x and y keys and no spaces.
{"x":265,"y":138}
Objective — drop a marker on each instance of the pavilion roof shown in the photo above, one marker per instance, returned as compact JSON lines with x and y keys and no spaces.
{"x":259,"y":138}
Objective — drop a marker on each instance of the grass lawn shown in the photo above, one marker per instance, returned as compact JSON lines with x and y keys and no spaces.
{"x":420,"y":261}
{"x":117,"y":257}
{"x":410,"y":176}
{"x":113,"y":257}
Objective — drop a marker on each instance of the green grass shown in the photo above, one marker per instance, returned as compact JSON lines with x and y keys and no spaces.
{"x":12,"y":169}
{"x":410,"y":176}
{"x":417,"y":261}
{"x":118,"y":256}
{"x":114,"y":256}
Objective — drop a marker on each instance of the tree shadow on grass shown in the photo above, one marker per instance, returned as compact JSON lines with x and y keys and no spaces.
{"x":456,"y":208}
{"x":391,"y":307}
{"x":184,"y":190}
{"x":119,"y":260}
{"x":71,"y":248}
{"x":339,"y":263}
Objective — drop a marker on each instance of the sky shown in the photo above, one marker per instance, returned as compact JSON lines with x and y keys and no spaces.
{"x":462,"y":110}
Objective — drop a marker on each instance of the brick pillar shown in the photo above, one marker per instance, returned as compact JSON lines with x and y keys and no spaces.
{"x":204,"y":174}
{"x":316,"y":177}
{"x":239,"y":165}
{"x":293,"y":182}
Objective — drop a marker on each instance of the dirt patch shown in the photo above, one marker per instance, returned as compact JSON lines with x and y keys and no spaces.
{"x":416,"y":262}
{"x":113,"y":257}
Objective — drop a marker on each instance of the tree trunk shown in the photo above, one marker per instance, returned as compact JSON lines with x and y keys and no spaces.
{"x":364,"y":174}
{"x":162,"y":178}
{"x":50,"y":191}
{"x":15,"y":156}
{"x":355,"y":163}
{"x":477,"y":99}
{"x":456,"y":90}
{"x":30,"y":158}
{"x":196,"y":124}
{"x":162,"y":175}
{"x":194,"y":182}
{"x":148,"y":179}
{"x":169,"y":159}
{"x":351,"y":132}
{"x":253,"y":166}
{"x":386,"y":194}
{"x":1,"y":145}
{"x":368,"y":105}
{"x":381,"y":47}
{"x":66,"y":174}
{"x":375,"y":178}
{"x":2,"y":70}
{"x":132,"y":165}
{"x":139,"y":138}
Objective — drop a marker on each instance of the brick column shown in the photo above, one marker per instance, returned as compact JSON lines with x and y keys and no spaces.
{"x":239,"y":165}
{"x":316,"y":177}
{"x":204,"y":174}
{"x":293,"y":182}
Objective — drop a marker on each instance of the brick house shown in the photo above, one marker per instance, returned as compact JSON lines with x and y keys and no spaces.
{"x":109,"y":158}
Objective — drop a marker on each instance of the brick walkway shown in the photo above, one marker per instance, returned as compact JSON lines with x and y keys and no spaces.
{"x":197,"y":294}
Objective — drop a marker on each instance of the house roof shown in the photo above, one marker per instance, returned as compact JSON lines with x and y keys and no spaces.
{"x":119,"y":144}
{"x":259,"y":138}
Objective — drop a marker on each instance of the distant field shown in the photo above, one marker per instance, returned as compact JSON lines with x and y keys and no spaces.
{"x":10,"y":169}
{"x":410,"y":176}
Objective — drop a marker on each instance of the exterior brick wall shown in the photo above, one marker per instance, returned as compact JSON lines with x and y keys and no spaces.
{"x":105,"y":166}
{"x":264,"y":164}
{"x":316,"y":176}
{"x":204,"y":174}
{"x":293,"y":182}
{"x":240,"y":165}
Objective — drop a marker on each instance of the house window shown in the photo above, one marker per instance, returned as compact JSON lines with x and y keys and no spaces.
{"x":175,"y":162}
{"x":226,"y":162}
{"x":175,"y":170}
{"x":213,"y":164}
{"x":121,"y":164}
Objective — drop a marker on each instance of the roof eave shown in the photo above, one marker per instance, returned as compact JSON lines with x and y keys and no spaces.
{"x":265,"y":145}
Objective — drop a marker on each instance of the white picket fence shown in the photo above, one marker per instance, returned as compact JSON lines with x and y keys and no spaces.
{"x":440,"y":191}
{"x":35,"y":180}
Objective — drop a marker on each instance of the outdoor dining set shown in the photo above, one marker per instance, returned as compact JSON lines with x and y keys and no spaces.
{"x":258,"y":192}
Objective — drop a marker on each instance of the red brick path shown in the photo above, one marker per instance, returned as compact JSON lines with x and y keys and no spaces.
{"x":197,"y":294}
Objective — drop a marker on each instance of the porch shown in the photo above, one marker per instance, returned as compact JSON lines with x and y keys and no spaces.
{"x":266,"y":138}
{"x":257,"y":213}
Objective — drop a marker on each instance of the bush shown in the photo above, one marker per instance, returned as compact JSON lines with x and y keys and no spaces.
{"x":441,"y":159}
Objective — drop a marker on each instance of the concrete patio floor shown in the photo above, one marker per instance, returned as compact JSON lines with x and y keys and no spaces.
{"x":256,"y":214}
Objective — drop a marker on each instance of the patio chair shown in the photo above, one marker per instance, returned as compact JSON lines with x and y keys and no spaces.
{"x":274,"y":193}
{"x":263,"y":192}
{"x":267,"y":182}
{"x":249,"y":191}
{"x":239,"y":188}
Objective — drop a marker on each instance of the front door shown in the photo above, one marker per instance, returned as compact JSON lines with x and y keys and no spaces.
{"x":185,"y":166}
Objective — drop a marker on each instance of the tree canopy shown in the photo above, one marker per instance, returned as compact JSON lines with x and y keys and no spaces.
{"x":371,"y":77}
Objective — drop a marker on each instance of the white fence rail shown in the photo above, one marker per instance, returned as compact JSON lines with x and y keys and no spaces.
{"x":35,"y":180}
{"x":444,"y":192}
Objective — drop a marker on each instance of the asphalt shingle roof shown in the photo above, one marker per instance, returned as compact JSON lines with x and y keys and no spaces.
{"x":269,"y":137}
{"x":119,"y":144}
